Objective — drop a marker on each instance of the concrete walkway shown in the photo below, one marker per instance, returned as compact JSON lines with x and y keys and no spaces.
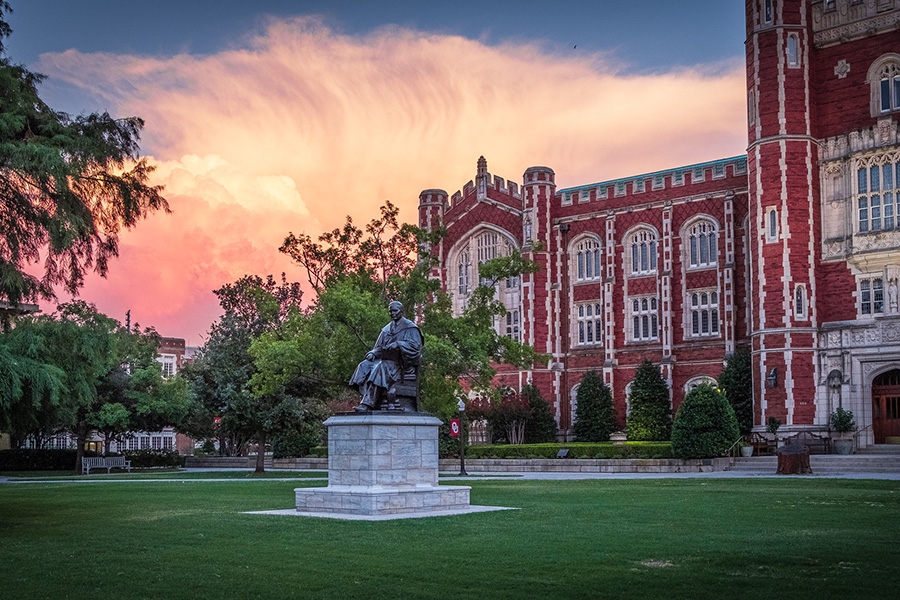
{"x":450,"y":477}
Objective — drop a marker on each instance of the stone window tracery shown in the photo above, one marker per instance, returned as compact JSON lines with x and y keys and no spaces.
{"x":587,"y":260}
{"x":704,"y":312}
{"x":464,"y":269}
{"x":871,"y":296}
{"x":884,"y":81}
{"x":878,"y":192}
{"x":702,"y":244}
{"x":643,"y":252}
{"x":644,"y":319}
{"x":588,"y":323}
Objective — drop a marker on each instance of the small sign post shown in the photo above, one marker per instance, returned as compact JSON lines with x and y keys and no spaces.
{"x":457,"y":427}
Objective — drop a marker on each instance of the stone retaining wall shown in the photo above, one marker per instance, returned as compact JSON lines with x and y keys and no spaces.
{"x":588,"y":465}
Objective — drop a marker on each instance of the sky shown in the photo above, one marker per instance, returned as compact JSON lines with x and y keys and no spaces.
{"x":275,"y":116}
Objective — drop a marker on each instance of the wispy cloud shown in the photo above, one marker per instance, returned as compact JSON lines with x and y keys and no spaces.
{"x":298,"y":126}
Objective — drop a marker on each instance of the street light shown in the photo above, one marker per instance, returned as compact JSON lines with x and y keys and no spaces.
{"x":462,"y":437}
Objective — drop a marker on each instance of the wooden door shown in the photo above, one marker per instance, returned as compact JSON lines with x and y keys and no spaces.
{"x":886,"y":406}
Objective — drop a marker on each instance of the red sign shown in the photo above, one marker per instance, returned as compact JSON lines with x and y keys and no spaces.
{"x":454,"y":427}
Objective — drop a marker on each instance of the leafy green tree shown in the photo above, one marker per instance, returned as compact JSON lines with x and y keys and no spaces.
{"x":736,"y":381}
{"x":221,"y":377}
{"x":595,"y":417}
{"x":705,"y":425}
{"x":68,"y":185}
{"x":540,"y":426}
{"x":651,"y":412}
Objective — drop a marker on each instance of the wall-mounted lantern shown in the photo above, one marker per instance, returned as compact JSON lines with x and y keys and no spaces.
{"x":772,"y":378}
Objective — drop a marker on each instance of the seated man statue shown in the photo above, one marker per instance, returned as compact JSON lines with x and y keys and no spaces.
{"x":392,"y":361}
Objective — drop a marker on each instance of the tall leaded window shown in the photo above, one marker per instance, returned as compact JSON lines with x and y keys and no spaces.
{"x":871,"y":296}
{"x":704,"y":313}
{"x":644,"y":319}
{"x":464,"y":268}
{"x":512,"y":324}
{"x":889,"y":88}
{"x":587,"y":260}
{"x":702,"y":245}
{"x":800,"y":302}
{"x":643,"y":252}
{"x":589,"y":323}
{"x":793,"y":50}
{"x":511,"y":282}
{"x":771,"y":225}
{"x":488,"y":248}
{"x":767,"y":11}
{"x":878,"y":193}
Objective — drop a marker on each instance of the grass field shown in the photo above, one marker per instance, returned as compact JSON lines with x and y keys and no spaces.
{"x":676,"y":538}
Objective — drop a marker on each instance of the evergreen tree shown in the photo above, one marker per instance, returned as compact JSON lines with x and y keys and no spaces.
{"x":705,"y":425}
{"x":68,"y":185}
{"x":595,"y":417}
{"x":540,"y":427}
{"x":651,"y":411}
{"x":736,"y":381}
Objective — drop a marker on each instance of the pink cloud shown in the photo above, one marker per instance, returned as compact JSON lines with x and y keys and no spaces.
{"x":299,"y":126}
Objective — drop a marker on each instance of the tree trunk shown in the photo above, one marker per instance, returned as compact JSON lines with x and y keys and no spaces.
{"x":80,"y":440}
{"x":261,"y":453}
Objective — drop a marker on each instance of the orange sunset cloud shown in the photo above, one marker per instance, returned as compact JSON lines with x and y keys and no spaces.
{"x":297,"y":126}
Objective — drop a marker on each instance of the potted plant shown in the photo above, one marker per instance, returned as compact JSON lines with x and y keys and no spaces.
{"x":842,"y":423}
{"x":746,"y":449}
{"x":772,"y":425}
{"x":618,"y":437}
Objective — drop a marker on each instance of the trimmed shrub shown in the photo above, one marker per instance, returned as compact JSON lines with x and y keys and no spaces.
{"x":318,"y":452}
{"x":540,"y":426}
{"x":705,"y":425}
{"x":143,"y":459}
{"x":298,"y":442}
{"x":736,"y":381}
{"x":576,"y":450}
{"x":651,"y":412}
{"x":595,"y":417}
{"x":34,"y":459}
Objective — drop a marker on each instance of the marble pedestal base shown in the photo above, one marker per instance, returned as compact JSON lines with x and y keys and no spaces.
{"x":382,"y":464}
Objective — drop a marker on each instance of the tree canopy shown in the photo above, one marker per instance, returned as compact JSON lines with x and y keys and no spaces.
{"x":68,"y":184}
{"x":595,"y":417}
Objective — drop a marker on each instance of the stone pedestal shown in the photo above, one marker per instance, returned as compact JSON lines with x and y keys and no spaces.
{"x":382,"y":464}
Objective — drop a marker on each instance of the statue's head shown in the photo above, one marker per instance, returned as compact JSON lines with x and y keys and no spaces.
{"x":396,"y":310}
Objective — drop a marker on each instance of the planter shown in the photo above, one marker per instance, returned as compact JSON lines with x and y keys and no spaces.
{"x":618,"y":438}
{"x":746,"y":451}
{"x":842,"y":446}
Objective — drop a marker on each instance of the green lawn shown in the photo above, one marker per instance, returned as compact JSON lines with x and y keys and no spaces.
{"x":676,"y":538}
{"x":163,"y":474}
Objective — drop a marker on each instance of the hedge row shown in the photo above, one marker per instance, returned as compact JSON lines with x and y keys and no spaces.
{"x":576,"y":450}
{"x":32,"y":459}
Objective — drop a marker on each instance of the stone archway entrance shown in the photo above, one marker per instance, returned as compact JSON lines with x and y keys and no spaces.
{"x":886,"y":407}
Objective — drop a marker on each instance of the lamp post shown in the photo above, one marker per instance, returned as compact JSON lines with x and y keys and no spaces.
{"x":462,"y":437}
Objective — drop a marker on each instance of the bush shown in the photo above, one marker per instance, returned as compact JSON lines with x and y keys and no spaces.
{"x":705,"y":425}
{"x":736,"y":381}
{"x":143,"y":459}
{"x":651,"y":410}
{"x":842,"y":420}
{"x":595,"y":417}
{"x":33,"y":459}
{"x":576,"y":450}
{"x":540,"y":426}
{"x":318,"y":452}
{"x":297,"y":443}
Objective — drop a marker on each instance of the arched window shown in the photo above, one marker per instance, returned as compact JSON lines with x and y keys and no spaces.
{"x":771,"y":225}
{"x":704,"y":312}
{"x":587,"y":260}
{"x":643,"y":252}
{"x":800,"y":302}
{"x":793,"y":50}
{"x":488,"y":248}
{"x":702,"y":244}
{"x":695,"y":381}
{"x":884,"y":81}
{"x":511,"y":282}
{"x":464,"y":268}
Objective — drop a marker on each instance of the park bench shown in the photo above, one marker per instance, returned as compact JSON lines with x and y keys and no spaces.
{"x":762,"y":445}
{"x":817,"y":444}
{"x":104,"y":462}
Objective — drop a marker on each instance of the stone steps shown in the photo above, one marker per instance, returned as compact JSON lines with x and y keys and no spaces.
{"x":881,"y":449}
{"x":825,"y":463}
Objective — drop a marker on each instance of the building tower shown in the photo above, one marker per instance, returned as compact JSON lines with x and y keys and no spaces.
{"x":784,"y":211}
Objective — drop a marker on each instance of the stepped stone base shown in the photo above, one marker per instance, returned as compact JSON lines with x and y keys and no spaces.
{"x":383,"y":464}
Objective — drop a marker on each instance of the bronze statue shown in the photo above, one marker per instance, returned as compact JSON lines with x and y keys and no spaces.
{"x":388,"y":377}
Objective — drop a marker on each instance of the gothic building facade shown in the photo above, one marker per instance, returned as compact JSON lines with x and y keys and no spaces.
{"x":792,"y":250}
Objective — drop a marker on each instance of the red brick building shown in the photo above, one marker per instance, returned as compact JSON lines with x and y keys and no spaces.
{"x":792,"y":250}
